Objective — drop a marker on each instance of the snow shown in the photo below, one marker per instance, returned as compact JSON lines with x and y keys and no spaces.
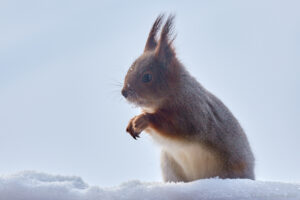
{"x":30,"y":185}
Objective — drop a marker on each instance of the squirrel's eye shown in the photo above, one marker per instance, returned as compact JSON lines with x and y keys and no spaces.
{"x":147,"y":78}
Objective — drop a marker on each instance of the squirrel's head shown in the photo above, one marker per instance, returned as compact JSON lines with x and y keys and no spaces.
{"x":153,"y":76}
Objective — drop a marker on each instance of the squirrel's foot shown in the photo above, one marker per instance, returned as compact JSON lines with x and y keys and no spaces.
{"x":137,"y":125}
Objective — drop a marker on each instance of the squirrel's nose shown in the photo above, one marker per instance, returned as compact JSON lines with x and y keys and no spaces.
{"x":124,"y":93}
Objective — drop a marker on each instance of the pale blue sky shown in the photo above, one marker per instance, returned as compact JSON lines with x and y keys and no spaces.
{"x":61,"y":63}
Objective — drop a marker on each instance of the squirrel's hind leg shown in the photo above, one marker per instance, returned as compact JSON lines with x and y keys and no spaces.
{"x":171,"y":170}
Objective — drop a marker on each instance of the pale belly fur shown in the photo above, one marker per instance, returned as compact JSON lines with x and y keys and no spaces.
{"x":195,"y":159}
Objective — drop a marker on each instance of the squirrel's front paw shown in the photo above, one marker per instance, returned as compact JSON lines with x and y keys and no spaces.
{"x":137,"y":125}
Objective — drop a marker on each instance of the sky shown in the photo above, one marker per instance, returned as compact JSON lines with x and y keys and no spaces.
{"x":62,"y":65}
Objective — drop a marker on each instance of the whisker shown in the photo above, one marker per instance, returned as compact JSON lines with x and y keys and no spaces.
{"x":116,"y":83}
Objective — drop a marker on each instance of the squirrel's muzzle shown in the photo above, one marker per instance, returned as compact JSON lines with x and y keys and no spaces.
{"x":124,"y":93}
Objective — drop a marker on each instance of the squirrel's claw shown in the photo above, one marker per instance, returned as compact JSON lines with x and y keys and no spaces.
{"x":137,"y":125}
{"x":134,"y":135}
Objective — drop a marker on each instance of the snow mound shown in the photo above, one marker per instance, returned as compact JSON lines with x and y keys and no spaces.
{"x":31,"y":185}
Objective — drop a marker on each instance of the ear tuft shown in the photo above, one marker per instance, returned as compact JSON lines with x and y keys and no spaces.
{"x":164,"y":50}
{"x":151,"y":41}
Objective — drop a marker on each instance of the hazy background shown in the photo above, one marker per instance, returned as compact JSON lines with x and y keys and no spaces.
{"x":62,"y":63}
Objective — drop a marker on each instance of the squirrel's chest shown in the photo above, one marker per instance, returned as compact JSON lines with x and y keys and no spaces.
{"x":195,"y":159}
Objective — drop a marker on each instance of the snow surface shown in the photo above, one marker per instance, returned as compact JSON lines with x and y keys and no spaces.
{"x":31,"y":185}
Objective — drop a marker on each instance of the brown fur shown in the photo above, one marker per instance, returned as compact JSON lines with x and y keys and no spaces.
{"x":151,"y":41}
{"x":188,"y":120}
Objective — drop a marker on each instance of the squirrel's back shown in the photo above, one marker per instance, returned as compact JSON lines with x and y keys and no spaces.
{"x":210,"y":143}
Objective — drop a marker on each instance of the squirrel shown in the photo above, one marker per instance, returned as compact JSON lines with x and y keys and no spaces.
{"x":198,"y":135}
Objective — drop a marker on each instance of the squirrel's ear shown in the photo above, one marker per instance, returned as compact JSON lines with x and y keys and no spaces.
{"x":164,"y":50}
{"x":151,"y":41}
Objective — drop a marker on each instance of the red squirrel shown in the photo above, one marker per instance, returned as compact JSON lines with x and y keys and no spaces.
{"x":199,"y":136}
